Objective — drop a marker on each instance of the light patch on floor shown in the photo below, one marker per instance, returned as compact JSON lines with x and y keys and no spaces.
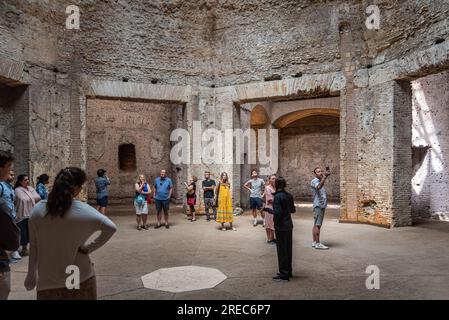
{"x":182,"y":279}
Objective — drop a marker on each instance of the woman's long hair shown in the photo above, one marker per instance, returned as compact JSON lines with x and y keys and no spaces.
{"x":61,"y":196}
{"x":280,"y":184}
{"x":20,"y":179}
{"x":222,"y":175}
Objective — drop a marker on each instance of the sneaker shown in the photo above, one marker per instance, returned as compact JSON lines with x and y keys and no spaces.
{"x":313,"y":244}
{"x":139,"y":228}
{"x":255,"y":223}
{"x":15,"y":255}
{"x":321,"y":246}
{"x":24,"y":253}
{"x":157,"y":226}
{"x":289,"y":275}
{"x":167,"y":226}
{"x":145,"y":227}
{"x":234,"y":229}
{"x":223,"y":229}
{"x":281,"y":279}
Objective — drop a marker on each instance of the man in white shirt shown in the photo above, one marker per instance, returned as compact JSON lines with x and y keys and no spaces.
{"x":319,"y":205}
{"x":255,"y":186}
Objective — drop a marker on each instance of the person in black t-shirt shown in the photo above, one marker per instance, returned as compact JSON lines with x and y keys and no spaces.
{"x":209,"y":202}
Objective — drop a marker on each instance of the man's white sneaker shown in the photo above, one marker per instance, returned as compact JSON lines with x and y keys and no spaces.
{"x":313,"y":244}
{"x":15,"y":255}
{"x":321,"y":246}
{"x":255,"y":223}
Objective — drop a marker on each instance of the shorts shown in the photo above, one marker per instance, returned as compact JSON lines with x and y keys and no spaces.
{"x":143,"y":209}
{"x":162,"y":204}
{"x":102,"y":202}
{"x":318,"y":216}
{"x":255,"y":203}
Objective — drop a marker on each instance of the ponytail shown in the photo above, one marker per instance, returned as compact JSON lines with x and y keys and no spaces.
{"x":61,"y":196}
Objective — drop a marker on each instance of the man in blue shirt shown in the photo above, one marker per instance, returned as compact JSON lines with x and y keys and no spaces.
{"x":163,"y":188}
{"x":101,"y":183}
{"x":9,"y":232}
{"x":7,"y":192}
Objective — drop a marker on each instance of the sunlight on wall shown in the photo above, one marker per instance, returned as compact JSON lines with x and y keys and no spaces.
{"x":430,"y":141}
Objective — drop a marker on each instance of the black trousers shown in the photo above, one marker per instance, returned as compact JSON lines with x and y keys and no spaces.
{"x":24,"y":232}
{"x":284,"y":241}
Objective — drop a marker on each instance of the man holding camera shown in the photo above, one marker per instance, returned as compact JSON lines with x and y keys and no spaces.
{"x":319,"y":205}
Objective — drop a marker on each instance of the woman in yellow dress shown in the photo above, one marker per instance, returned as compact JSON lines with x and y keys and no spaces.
{"x":224,"y":197}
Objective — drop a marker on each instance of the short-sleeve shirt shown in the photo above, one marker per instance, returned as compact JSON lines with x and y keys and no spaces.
{"x":102,"y":187}
{"x":256,"y":187}
{"x":162,"y":187}
{"x":269,"y":195}
{"x":209,"y":193}
{"x":319,"y":196}
{"x":8,"y":194}
{"x":41,"y":189}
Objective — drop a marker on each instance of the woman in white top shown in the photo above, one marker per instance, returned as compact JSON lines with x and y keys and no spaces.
{"x":25,"y":199}
{"x":142,"y":193}
{"x":59,"y":230}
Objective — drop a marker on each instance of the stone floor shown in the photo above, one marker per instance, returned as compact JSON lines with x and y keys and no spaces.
{"x":413,"y":261}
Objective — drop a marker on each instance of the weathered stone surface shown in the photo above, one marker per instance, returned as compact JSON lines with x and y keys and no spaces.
{"x":212,"y":57}
{"x":147,"y":126}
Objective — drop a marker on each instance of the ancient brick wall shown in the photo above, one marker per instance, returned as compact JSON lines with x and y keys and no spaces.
{"x":147,"y":126}
{"x":309,"y":143}
{"x":210,"y":44}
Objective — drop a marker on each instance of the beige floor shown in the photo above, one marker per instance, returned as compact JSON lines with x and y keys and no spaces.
{"x":413,"y":261}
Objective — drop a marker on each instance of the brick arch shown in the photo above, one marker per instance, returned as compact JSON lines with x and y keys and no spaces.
{"x":291,"y":117}
{"x":259,"y":116}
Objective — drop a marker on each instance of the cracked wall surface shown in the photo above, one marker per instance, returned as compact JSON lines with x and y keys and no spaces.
{"x":223,"y":53}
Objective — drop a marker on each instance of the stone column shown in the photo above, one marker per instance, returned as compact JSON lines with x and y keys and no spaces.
{"x":21,"y":125}
{"x":402,"y":154}
{"x":224,"y":103}
{"x":348,"y":133}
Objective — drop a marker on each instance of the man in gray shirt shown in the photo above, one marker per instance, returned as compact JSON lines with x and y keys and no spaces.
{"x":255,"y":186}
{"x":319,"y":205}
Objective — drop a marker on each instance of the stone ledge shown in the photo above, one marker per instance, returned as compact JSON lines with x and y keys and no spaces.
{"x":412,"y":66}
{"x":130,"y":90}
{"x":329,"y":83}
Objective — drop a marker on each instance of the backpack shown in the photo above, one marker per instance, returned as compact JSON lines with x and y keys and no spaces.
{"x":140,"y":200}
